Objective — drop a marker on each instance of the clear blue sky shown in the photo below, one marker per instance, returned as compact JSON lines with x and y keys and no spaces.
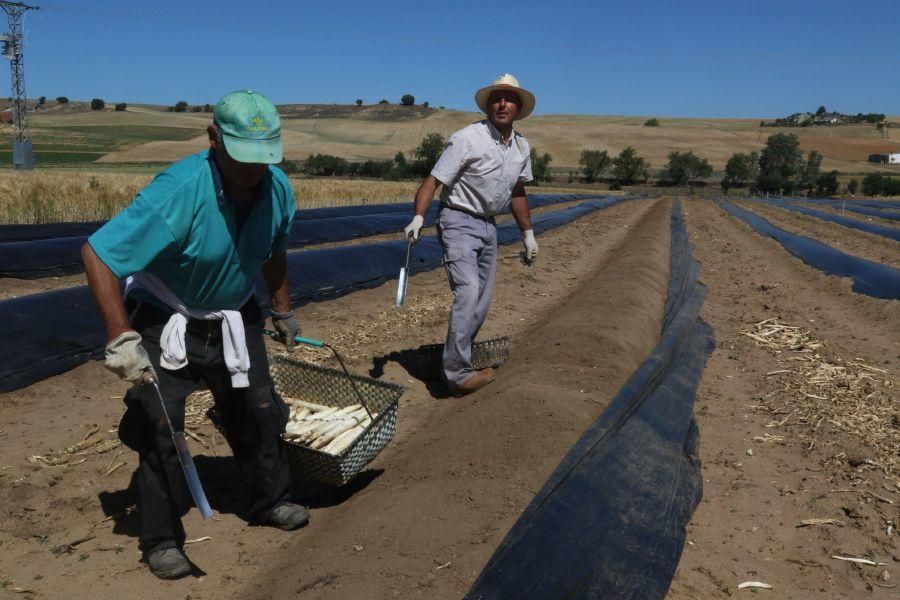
{"x":717,"y":58}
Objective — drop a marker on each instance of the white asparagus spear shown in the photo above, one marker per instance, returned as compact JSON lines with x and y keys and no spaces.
{"x":327,"y":415}
{"x":292,"y":428}
{"x":311,"y":427}
{"x":310,"y":405}
{"x":327,"y":436}
{"x":298,"y":414}
{"x":346,"y":410}
{"x":343,"y":441}
{"x":308,"y":424}
{"x":324,"y":436}
{"x":324,"y":427}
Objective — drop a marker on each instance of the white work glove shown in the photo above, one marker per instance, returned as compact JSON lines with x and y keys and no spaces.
{"x":531,"y":247}
{"x":414,"y":228}
{"x":127,"y":358}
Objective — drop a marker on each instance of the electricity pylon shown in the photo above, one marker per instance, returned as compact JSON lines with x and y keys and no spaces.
{"x":12,"y":49}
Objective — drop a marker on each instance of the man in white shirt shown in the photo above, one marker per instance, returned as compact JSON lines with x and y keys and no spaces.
{"x":482,"y":170}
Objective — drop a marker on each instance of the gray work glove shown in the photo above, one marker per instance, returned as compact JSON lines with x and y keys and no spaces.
{"x":286,"y":326}
{"x":127,"y":358}
{"x":531,"y":247}
{"x":414,"y":229}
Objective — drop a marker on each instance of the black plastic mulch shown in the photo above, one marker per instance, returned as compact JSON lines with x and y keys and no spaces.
{"x":610,"y":521}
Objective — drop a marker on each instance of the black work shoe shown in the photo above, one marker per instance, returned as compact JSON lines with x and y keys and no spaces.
{"x":288,"y":516}
{"x":168,"y":563}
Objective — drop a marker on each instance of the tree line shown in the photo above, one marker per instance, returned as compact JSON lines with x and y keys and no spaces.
{"x":780,"y":168}
{"x":425,"y":156}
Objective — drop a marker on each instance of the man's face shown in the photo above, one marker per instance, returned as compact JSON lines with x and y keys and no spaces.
{"x":503,"y":108}
{"x":238,"y":174}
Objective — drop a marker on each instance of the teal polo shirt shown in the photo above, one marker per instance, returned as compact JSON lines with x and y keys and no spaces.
{"x":183,"y":229}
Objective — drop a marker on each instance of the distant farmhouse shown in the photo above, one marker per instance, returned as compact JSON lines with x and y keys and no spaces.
{"x":892,"y":158}
{"x":823,"y":118}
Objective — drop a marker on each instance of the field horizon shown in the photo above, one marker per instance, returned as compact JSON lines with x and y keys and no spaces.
{"x":73,"y":134}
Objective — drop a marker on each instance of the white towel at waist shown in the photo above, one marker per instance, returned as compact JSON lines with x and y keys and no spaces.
{"x":171,"y":342}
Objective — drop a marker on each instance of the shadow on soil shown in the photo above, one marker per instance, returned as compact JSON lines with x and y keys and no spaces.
{"x":227,"y":494}
{"x":412,"y":363}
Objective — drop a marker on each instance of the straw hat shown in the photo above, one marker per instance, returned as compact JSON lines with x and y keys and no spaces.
{"x":506,"y":82}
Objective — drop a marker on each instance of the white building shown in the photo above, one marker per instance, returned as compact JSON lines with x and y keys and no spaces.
{"x":892,"y":158}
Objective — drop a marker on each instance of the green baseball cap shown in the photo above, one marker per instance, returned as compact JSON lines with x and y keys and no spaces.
{"x":250,"y":127}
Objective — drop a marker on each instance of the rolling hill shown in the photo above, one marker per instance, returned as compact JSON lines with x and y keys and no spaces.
{"x":150,"y":134}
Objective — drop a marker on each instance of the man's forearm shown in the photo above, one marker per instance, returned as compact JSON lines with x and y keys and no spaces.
{"x":106,"y":293}
{"x":425,"y":194}
{"x":521,"y":212}
{"x":276,"y":275}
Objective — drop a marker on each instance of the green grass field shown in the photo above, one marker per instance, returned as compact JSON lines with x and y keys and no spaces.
{"x":54,"y":157}
{"x":61,"y":144}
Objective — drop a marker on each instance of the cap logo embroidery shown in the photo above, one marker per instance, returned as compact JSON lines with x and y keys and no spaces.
{"x":259,"y":124}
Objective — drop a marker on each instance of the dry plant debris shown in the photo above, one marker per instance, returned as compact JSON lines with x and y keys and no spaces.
{"x":196,"y":406}
{"x":849,"y":395}
{"x":387,"y":326}
{"x":754,"y":584}
{"x":92,"y":443}
{"x":808,"y":522}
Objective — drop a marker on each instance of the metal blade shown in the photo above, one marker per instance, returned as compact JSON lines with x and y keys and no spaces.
{"x":401,"y":287}
{"x":404,"y":275}
{"x":187,"y":462}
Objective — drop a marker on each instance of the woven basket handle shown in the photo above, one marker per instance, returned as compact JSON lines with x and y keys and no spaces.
{"x":320,"y":344}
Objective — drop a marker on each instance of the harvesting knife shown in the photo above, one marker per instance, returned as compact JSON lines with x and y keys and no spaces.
{"x":404,"y":273}
{"x":184,"y":457}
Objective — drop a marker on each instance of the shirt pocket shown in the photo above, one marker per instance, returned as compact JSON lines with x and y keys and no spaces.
{"x":487,"y":165}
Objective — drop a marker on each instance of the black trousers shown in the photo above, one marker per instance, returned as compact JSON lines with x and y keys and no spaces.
{"x":253,"y":420}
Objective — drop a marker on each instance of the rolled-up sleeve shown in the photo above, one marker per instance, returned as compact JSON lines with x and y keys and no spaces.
{"x":452,"y":160}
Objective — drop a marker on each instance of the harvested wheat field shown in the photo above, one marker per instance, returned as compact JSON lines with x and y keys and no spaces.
{"x":797,"y":412}
{"x":145,"y":134}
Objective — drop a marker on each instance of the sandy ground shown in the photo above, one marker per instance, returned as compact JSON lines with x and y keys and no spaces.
{"x":434,"y":505}
{"x":746,"y":527}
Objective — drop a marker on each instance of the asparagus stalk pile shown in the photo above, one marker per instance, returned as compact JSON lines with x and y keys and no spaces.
{"x":325,"y":428}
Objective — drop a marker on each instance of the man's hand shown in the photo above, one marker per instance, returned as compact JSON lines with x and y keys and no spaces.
{"x":414,"y":229}
{"x":531,"y":247}
{"x":127,"y":358}
{"x":286,"y":326}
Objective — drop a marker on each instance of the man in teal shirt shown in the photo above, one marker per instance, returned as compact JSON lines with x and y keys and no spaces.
{"x":190,"y":247}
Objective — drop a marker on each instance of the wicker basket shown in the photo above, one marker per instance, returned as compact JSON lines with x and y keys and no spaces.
{"x":331,"y":387}
{"x":486,"y":353}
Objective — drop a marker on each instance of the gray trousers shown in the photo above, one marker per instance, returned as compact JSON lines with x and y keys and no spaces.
{"x":470,"y":258}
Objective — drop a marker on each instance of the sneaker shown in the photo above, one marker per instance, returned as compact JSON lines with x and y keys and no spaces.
{"x":475,"y":382}
{"x":288,"y":516}
{"x":168,"y":563}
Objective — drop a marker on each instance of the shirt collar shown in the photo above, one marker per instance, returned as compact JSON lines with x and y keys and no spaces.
{"x":216,"y":177}
{"x":496,"y":135}
{"x":217,"y":181}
